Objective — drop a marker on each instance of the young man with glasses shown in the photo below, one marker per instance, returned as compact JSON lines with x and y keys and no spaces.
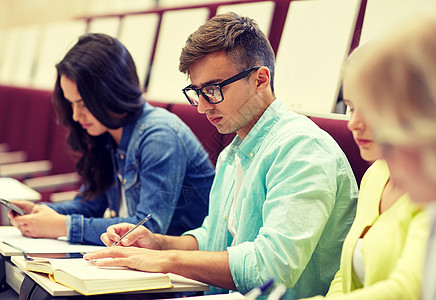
{"x":284,"y":195}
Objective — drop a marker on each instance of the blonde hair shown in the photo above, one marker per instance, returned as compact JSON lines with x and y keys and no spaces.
{"x":396,"y":77}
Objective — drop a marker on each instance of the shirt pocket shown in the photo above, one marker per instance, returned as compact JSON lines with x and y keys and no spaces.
{"x":131,"y":178}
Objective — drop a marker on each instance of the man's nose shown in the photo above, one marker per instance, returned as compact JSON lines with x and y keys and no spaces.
{"x":203,"y":104}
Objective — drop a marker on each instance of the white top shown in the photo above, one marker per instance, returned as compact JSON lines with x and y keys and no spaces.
{"x":122,"y":211}
{"x":239,"y":176}
{"x":358,"y":266}
{"x":429,"y":279}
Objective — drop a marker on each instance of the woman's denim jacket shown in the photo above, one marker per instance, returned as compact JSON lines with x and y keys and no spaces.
{"x":165,"y":172}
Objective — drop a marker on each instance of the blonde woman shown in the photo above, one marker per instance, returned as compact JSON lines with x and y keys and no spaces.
{"x":383,"y":253}
{"x":396,"y":78}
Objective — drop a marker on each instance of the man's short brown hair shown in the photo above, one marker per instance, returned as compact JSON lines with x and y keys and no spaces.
{"x":239,"y":37}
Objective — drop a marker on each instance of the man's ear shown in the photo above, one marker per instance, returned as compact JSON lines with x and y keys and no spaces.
{"x":263,"y":79}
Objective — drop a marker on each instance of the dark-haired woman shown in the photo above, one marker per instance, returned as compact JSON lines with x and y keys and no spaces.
{"x":134,"y":159}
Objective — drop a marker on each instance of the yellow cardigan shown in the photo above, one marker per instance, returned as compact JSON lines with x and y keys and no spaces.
{"x":393,"y":249}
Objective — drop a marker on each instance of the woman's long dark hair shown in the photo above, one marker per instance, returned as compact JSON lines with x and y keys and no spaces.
{"x":108,"y":84}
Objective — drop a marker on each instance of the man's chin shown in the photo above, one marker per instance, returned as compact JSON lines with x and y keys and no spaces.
{"x":223,"y":130}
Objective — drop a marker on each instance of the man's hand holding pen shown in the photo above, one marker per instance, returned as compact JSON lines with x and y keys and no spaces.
{"x":140,"y":249}
{"x":126,"y":234}
{"x":148,"y":217}
{"x":140,"y":237}
{"x":138,"y":243}
{"x":115,"y":232}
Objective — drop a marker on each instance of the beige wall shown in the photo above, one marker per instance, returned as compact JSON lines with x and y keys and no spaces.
{"x":25,"y":12}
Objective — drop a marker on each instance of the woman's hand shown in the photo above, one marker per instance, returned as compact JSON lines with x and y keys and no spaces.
{"x":40,"y":222}
{"x":25,"y":205}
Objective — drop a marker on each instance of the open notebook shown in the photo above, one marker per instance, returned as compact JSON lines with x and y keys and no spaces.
{"x":88,"y":279}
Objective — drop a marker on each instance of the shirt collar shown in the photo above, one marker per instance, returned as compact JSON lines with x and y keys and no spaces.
{"x":125,"y":137}
{"x":254,"y":139}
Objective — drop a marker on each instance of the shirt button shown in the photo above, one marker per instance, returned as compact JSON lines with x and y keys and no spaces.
{"x":224,"y":218}
{"x":113,"y":213}
{"x":124,"y":181}
{"x":251,"y":154}
{"x":122,"y":156}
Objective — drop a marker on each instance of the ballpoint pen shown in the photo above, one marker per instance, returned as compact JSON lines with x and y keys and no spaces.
{"x":257,"y":291}
{"x":148,"y":217}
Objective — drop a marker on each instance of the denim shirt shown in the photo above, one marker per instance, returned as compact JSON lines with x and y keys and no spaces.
{"x":294,"y":207}
{"x":165,"y":172}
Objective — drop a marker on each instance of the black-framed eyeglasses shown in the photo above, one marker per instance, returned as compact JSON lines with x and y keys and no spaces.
{"x":213,"y":92}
